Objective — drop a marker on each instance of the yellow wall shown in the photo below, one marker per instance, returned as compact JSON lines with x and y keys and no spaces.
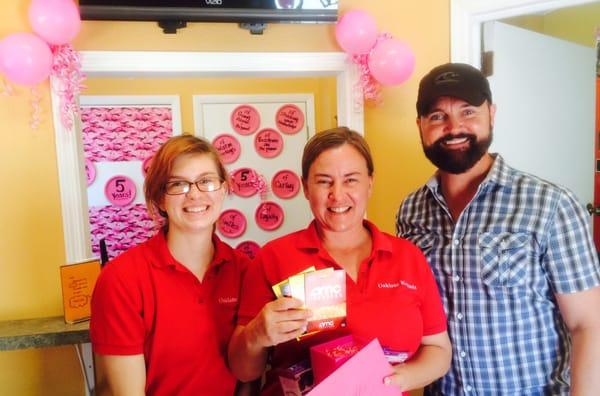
{"x":31,"y":242}
{"x":576,"y":24}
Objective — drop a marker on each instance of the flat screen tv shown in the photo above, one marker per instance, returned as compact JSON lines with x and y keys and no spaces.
{"x":241,"y":11}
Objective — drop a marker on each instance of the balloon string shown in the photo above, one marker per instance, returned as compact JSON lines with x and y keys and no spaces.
{"x":35,"y":108}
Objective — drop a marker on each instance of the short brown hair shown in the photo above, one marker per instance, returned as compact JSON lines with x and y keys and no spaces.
{"x":162,"y":165}
{"x":332,"y":138}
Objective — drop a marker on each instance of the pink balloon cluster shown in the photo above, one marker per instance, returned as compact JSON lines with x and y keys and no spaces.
{"x":390,"y":61}
{"x":26,"y":58}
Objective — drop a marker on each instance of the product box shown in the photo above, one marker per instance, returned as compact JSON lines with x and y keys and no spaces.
{"x":78,"y":281}
{"x":325,"y":296}
{"x":327,"y":357}
{"x":297,"y":380}
{"x":360,"y":375}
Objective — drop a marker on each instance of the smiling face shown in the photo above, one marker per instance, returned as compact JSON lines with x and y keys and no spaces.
{"x":338,"y":187}
{"x":455,"y":134}
{"x":194,"y":211}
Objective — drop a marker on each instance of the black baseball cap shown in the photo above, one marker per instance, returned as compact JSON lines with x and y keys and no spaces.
{"x":458,"y":80}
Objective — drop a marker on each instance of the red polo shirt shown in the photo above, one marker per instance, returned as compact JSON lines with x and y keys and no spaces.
{"x":145,"y":302}
{"x":395,"y":297}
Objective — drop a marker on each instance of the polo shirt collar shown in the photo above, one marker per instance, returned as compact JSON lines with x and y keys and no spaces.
{"x":309,"y":239}
{"x":161,"y":257}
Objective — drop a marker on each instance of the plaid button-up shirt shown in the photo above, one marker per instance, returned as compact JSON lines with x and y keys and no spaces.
{"x":517,"y":243}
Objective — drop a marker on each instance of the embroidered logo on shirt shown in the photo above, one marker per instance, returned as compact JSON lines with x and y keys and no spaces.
{"x":227,"y":300}
{"x":388,"y":285}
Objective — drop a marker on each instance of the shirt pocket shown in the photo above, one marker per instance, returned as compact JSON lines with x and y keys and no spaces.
{"x":506,"y":258}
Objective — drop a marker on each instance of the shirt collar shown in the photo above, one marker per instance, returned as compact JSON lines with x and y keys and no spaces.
{"x":309,"y":239}
{"x":500,"y":173}
{"x":161,"y":257}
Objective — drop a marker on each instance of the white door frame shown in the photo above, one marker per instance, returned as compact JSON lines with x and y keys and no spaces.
{"x":69,"y":148}
{"x":467,"y":16}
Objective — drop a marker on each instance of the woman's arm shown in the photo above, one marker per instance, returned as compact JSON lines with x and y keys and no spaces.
{"x":120,"y":375}
{"x":279,"y":321}
{"x":431,"y":361}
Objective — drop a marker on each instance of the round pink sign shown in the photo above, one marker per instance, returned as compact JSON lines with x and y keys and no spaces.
{"x":120,"y":190}
{"x":245,"y":119}
{"x":249,"y":248}
{"x":285,"y":184}
{"x":289,"y":119}
{"x":90,"y":171}
{"x":146,"y":164}
{"x":269,"y":216}
{"x":228,"y":146}
{"x":244,"y":182}
{"x":268,"y":143}
{"x":232,"y":223}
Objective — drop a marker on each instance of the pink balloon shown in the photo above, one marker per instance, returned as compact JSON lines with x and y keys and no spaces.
{"x":391,"y":62}
{"x":356,"y":32}
{"x":25,"y":58}
{"x":56,"y":21}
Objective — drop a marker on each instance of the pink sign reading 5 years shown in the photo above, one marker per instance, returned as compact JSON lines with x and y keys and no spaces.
{"x":120,"y":190}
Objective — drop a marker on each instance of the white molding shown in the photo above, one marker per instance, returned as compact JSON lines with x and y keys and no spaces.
{"x":467,"y":16}
{"x":212,"y":63}
{"x":199,"y":64}
{"x":72,"y":183}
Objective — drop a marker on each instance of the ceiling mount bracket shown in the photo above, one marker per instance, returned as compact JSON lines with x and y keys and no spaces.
{"x":171,"y":26}
{"x":254,"y":28}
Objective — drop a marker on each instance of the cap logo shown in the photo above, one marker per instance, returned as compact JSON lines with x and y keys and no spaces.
{"x":447,"y":77}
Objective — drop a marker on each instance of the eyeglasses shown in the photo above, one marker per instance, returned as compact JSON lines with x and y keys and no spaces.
{"x":206,"y":184}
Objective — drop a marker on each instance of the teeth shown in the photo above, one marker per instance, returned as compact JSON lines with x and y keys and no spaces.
{"x":456,"y":141}
{"x":196,"y":209}
{"x":341,"y":209}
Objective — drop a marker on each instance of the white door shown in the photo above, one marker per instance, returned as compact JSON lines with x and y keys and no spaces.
{"x":544,"y":91}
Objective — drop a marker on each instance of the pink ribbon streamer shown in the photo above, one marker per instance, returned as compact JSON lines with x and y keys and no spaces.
{"x":66,"y":67}
{"x":35,"y":108}
{"x":261,"y":186}
{"x":367,"y":88}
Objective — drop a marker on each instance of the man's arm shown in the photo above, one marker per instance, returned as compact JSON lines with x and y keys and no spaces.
{"x":279,"y":321}
{"x":581,"y":313}
{"x":120,"y":375}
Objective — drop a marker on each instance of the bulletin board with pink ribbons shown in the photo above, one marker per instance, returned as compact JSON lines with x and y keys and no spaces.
{"x":260,"y":139}
{"x":120,"y":136}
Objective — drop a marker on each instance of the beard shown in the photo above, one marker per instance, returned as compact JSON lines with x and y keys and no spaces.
{"x":457,"y":161}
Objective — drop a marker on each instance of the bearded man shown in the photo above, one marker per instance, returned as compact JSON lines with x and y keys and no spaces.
{"x":512,"y":254}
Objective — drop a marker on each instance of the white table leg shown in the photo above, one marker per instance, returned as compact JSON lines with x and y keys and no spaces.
{"x":86,"y":362}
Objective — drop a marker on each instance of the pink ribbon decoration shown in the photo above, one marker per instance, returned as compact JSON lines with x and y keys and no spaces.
{"x":66,"y":67}
{"x":36,"y":98}
{"x":261,"y":186}
{"x":367,"y":88}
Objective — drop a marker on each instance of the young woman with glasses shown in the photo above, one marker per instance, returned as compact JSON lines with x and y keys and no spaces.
{"x":163,"y":312}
